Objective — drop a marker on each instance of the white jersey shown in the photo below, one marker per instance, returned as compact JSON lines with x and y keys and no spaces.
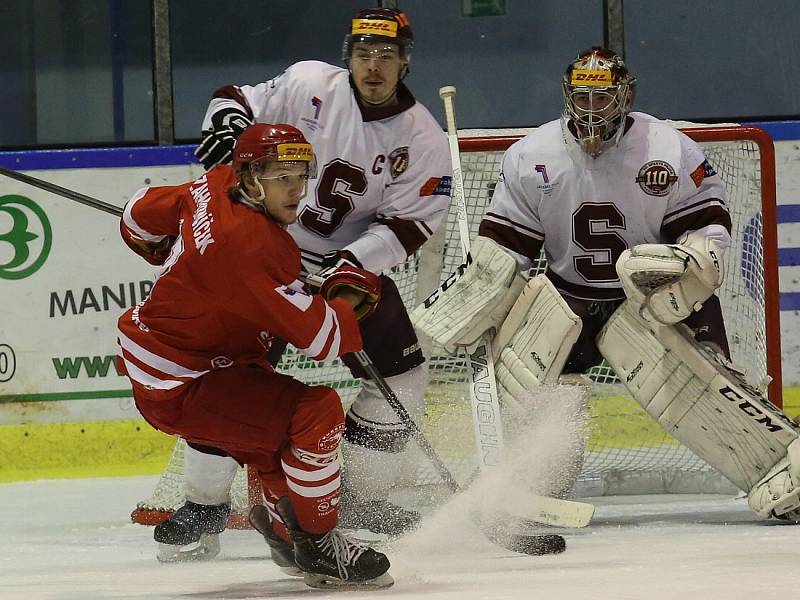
{"x":383,"y":175}
{"x":652,"y":187}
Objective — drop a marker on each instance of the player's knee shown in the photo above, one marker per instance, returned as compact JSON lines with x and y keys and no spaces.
{"x":318,"y":423}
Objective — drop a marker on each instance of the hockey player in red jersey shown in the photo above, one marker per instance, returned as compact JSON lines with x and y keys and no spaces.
{"x":383,"y":189}
{"x":194,"y":348}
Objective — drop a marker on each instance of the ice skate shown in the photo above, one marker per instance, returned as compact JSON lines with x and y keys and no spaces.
{"x":282,"y":552}
{"x":332,"y":559}
{"x":191,"y":533}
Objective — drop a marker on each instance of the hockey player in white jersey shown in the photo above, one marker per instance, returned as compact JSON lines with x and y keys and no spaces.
{"x":382,"y":190}
{"x":634,"y":224}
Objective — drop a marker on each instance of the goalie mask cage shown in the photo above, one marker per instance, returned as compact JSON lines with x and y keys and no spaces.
{"x":626,"y":450}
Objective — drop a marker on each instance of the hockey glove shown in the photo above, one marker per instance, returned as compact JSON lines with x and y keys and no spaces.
{"x":339,"y":258}
{"x":330,"y":262}
{"x":153,"y":252}
{"x":669,"y":281}
{"x":217,"y":144}
{"x":332,"y":280}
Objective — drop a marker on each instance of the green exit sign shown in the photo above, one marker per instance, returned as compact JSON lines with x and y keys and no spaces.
{"x":483,"y":8}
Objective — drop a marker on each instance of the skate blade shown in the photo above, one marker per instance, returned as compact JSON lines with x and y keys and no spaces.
{"x":206,"y":548}
{"x":326,"y":582}
{"x":293,"y":571}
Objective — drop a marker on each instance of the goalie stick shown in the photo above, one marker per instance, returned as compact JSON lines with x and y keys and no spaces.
{"x":480,"y":364}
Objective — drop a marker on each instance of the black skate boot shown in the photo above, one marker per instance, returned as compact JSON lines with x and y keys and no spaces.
{"x":332,"y":559}
{"x":379,"y":516}
{"x":192,"y":532}
{"x":282,"y":552}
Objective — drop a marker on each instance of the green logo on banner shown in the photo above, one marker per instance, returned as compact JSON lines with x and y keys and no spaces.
{"x":25,"y":237}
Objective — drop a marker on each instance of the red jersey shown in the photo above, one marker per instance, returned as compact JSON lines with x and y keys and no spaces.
{"x":229,"y":285}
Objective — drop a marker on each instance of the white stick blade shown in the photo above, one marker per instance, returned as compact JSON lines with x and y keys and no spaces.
{"x":550,"y":511}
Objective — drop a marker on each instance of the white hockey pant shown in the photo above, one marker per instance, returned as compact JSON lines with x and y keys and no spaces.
{"x":376,"y":437}
{"x":208,"y":477}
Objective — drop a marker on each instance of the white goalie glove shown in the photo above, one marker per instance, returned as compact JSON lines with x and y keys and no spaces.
{"x":669,"y":281}
{"x":472,"y":300}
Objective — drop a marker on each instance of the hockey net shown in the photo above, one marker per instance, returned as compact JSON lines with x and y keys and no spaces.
{"x":627,"y":452}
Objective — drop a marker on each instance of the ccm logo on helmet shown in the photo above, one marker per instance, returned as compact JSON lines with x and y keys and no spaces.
{"x":367,"y":26}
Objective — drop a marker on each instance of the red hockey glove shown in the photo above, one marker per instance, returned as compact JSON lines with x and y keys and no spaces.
{"x":352,"y":279}
{"x":154,"y":253}
{"x":341,"y":271}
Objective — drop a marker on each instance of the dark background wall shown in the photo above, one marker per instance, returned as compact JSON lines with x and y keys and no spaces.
{"x":80,"y":72}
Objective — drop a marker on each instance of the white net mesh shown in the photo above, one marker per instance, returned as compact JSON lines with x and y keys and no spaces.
{"x":627,"y":452}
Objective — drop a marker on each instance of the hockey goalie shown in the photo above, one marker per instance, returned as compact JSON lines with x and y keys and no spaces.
{"x":633,"y":222}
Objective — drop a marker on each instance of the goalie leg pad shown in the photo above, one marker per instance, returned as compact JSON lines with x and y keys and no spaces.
{"x":698,"y":397}
{"x":535,"y":339}
{"x":531,"y":348}
{"x":472,"y":300}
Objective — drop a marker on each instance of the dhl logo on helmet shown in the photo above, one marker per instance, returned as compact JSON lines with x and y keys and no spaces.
{"x":301,"y":152}
{"x":373,"y":26}
{"x":591,"y":77}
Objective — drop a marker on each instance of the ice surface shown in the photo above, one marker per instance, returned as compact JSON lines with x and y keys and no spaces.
{"x":72,"y":539}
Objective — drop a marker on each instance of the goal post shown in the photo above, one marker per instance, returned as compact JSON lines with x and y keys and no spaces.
{"x":627,"y":452}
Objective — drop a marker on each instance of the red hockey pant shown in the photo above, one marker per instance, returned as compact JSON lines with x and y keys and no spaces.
{"x":288,"y":431}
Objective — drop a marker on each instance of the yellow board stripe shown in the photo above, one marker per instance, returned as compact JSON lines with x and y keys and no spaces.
{"x":132,"y":447}
{"x":91,"y":449}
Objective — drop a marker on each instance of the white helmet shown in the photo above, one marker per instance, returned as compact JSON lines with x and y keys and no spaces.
{"x":598,"y":93}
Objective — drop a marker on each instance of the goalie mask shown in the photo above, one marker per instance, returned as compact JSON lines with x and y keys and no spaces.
{"x":265,"y":151}
{"x":382,"y":25}
{"x":598,"y":93}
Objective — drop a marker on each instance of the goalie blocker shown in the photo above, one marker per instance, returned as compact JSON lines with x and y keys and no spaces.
{"x":697,"y":396}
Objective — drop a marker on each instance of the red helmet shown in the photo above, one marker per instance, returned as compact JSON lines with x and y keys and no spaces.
{"x":388,"y":25}
{"x":263,"y":142}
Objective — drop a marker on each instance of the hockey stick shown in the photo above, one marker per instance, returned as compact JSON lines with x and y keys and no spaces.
{"x":60,"y":191}
{"x":480,"y":365}
{"x":524,"y":544}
